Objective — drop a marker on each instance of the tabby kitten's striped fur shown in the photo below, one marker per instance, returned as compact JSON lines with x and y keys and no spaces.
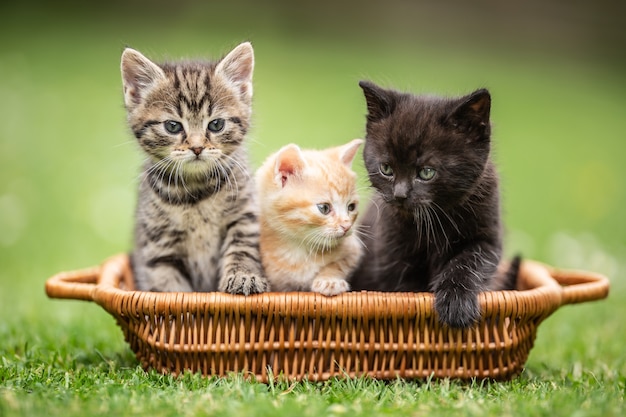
{"x":308,"y":205}
{"x":196,"y":225}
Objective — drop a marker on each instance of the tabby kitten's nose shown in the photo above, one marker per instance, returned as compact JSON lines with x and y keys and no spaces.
{"x":197,"y":150}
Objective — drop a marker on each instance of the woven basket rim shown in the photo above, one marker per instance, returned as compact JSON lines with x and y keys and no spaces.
{"x":112,"y":280}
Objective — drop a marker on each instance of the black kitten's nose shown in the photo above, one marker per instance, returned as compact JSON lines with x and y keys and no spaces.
{"x":400,"y":191}
{"x":197,"y":150}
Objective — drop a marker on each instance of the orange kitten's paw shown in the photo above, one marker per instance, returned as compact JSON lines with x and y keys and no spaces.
{"x":330,"y":286}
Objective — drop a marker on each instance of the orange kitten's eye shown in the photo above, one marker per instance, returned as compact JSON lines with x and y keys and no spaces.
{"x":324,"y":208}
{"x":172,"y":127}
{"x":351,"y":206}
{"x":216,"y":125}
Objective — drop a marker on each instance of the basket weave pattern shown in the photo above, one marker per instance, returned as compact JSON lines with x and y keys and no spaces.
{"x":311,"y":336}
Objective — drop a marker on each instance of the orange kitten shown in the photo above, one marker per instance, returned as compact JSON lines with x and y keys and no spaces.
{"x":308,"y":207}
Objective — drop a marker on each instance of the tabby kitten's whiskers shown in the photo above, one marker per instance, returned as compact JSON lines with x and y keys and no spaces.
{"x":196,"y":226}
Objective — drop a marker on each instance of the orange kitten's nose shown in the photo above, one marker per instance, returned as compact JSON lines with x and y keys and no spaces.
{"x":197,"y":150}
{"x":345,"y":227}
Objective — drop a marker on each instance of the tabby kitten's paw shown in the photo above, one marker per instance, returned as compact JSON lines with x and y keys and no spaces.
{"x":329,"y":286}
{"x":245,"y":283}
{"x":457,"y":308}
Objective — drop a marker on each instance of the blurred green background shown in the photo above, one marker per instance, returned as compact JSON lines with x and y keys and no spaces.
{"x":69,"y":167}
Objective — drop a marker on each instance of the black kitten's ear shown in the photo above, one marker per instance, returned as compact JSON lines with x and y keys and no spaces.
{"x":473,"y":110}
{"x":380,"y":102}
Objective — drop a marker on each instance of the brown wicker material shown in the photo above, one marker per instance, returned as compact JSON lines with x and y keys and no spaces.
{"x":311,"y":336}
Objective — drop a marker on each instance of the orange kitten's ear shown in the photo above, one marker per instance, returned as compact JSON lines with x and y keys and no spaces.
{"x":138,"y":75}
{"x":347,"y":152}
{"x":289,"y":164}
{"x":237,"y":68}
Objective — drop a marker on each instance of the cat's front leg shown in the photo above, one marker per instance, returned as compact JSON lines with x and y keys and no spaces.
{"x":241,"y":269}
{"x":161,"y":274}
{"x":457,"y":285}
{"x":242,"y":272}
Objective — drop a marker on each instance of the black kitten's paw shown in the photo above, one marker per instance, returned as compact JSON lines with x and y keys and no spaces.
{"x":244,"y":283}
{"x":457,"y":308}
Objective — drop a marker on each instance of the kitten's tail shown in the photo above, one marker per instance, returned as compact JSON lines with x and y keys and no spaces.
{"x":507,"y":278}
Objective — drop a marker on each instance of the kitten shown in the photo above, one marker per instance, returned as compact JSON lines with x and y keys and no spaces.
{"x":434,"y":224}
{"x":308,"y":207}
{"x":196,"y":222}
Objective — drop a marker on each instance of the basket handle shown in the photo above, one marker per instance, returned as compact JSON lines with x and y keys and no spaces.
{"x":581,"y":286}
{"x":116,"y":272}
{"x":75,"y":285}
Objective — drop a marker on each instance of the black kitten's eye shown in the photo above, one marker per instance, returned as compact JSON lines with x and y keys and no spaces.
{"x":427,"y":173}
{"x":173,"y":127}
{"x":351,"y":207}
{"x":386,"y":169}
{"x":324,"y":208}
{"x":216,"y":125}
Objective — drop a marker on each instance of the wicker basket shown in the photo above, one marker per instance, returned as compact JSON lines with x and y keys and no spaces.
{"x":311,"y":336}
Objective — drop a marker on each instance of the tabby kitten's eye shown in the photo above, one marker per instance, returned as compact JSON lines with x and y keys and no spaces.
{"x":216,"y":125}
{"x":172,"y":127}
{"x":386,"y":169}
{"x":351,"y":207}
{"x":427,"y":173}
{"x":324,"y":208}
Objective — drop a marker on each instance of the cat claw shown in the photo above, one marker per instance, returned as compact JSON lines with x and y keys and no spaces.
{"x":244,"y":284}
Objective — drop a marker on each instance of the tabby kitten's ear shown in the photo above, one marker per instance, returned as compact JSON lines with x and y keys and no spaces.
{"x":472,"y":112}
{"x":139,"y":74}
{"x":380,"y":102}
{"x":237,"y":68}
{"x":289,"y":164}
{"x":348,"y":151}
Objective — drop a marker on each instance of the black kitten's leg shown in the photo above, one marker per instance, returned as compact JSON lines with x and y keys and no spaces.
{"x":457,"y":284}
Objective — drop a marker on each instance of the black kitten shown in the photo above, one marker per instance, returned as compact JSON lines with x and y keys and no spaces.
{"x":434,"y":222}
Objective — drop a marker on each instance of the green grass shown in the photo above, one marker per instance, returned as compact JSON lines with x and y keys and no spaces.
{"x":42,"y":375}
{"x":69,"y":167}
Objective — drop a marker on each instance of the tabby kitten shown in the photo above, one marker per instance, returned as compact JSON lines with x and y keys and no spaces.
{"x":434,"y":224}
{"x":308,"y":207}
{"x":196,"y":226}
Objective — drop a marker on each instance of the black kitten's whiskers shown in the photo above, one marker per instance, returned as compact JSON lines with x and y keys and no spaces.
{"x":440,"y":233}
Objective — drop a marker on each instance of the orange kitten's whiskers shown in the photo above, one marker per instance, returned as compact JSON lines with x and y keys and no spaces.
{"x":363,"y":231}
{"x":357,"y":236}
{"x":307,"y":197}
